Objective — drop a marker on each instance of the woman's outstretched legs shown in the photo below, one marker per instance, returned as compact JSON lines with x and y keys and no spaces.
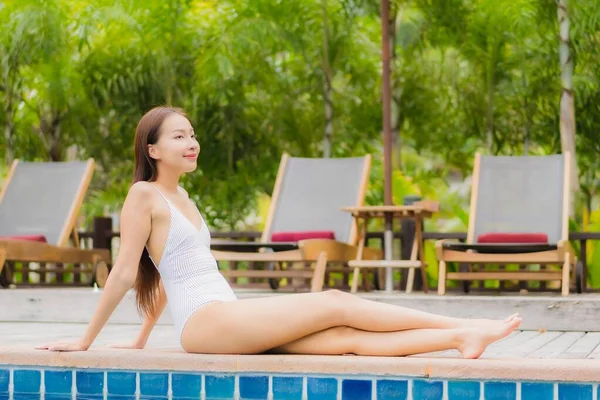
{"x":251,"y":326}
{"x":376,"y":316}
{"x":471,"y":342}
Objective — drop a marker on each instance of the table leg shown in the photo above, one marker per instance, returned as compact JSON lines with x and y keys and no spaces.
{"x":388,"y":237}
{"x":419,"y":241}
{"x":414,"y":254}
{"x":361,"y":245}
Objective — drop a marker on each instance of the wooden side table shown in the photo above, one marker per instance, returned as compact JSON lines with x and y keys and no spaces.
{"x":417,"y":211}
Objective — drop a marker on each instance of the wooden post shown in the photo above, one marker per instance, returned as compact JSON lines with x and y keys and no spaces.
{"x":408,"y":227}
{"x":583,"y":260}
{"x":102,"y":233}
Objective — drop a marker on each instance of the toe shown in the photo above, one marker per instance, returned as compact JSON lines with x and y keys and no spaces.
{"x":511,"y":317}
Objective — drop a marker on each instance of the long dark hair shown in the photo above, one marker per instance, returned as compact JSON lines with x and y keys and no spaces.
{"x":147,"y":132}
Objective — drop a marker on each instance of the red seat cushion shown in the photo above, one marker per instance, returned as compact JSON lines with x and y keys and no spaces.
{"x":303,"y":235}
{"x":512,"y":238}
{"x":29,"y":238}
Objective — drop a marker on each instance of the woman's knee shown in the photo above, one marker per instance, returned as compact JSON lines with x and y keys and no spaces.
{"x":339,"y":303}
{"x":336,"y":295}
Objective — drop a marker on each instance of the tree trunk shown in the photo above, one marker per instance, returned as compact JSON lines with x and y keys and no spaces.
{"x":8,"y":138}
{"x":327,"y":90}
{"x":328,"y":133}
{"x":396,"y":97}
{"x":56,"y":148}
{"x":49,"y":133}
{"x":567,"y":99}
{"x":490,"y":107}
{"x":9,"y":126}
{"x":526,"y":116}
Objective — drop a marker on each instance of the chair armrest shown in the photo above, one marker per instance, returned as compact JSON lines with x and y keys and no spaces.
{"x":279,"y":256}
{"x":439,"y":247}
{"x":336,"y":250}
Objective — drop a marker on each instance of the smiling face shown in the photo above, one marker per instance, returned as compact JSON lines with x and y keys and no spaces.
{"x":176,"y":148}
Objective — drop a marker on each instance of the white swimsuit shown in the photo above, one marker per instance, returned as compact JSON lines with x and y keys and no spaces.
{"x":188,"y":270}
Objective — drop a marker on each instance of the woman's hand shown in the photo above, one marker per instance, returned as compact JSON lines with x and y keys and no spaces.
{"x":64,"y":346}
{"x":136,"y":223}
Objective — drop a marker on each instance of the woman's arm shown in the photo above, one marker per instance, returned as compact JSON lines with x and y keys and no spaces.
{"x":136,"y":217}
{"x":148,"y":324}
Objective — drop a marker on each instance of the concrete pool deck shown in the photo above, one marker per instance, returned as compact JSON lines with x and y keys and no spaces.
{"x":544,"y":350}
{"x":525,"y":355}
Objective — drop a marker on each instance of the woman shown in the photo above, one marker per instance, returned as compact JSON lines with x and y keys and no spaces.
{"x":165,"y":253}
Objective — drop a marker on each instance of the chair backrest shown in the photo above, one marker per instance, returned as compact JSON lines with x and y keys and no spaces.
{"x":44,"y":198}
{"x":309,"y":193}
{"x":520,"y":194}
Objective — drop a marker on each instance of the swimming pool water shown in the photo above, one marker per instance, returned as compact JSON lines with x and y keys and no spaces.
{"x":20,"y":383}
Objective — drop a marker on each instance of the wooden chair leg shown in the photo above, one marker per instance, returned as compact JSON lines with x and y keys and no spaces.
{"x":319,"y":274}
{"x":410,"y":280}
{"x":566,"y":269}
{"x":355,"y":275}
{"x":442,"y":278}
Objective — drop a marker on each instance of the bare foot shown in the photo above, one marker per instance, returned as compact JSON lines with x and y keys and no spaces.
{"x":473,"y":341}
{"x":485,"y":323}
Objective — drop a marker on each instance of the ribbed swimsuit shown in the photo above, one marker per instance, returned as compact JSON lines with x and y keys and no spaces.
{"x":189,"y":272}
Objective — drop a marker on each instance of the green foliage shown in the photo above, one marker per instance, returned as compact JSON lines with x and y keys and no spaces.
{"x":468,"y":75}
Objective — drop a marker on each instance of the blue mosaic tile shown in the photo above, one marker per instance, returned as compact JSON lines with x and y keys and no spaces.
{"x":464,"y":390}
{"x":219,"y":387}
{"x":186,"y":385}
{"x":388,"y":389}
{"x":354,"y":389}
{"x":154,"y":384}
{"x":58,"y":382}
{"x":89,"y":382}
{"x":26,"y":396}
{"x":4,"y":380}
{"x":500,"y":390}
{"x":427,"y":390}
{"x":322,"y":388}
{"x":27,"y":381}
{"x":574,"y":391}
{"x":254,"y":387}
{"x":58,"y":396}
{"x":537,"y":391}
{"x":121,"y":383}
{"x":119,"y":397}
{"x":287,"y":388}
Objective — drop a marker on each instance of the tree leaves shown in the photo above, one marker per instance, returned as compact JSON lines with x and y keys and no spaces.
{"x":251,"y":75}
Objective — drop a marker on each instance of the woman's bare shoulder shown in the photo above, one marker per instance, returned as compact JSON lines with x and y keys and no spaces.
{"x":141,"y":188}
{"x":141,"y":195}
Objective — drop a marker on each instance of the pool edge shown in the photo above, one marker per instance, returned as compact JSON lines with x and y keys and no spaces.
{"x":564,"y":370}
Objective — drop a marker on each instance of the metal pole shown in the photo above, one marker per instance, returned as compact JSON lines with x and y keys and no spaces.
{"x":387,"y":136}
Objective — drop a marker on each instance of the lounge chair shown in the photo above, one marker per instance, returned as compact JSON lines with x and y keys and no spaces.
{"x":305,"y":223}
{"x":519,"y":215}
{"x":39,"y":205}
